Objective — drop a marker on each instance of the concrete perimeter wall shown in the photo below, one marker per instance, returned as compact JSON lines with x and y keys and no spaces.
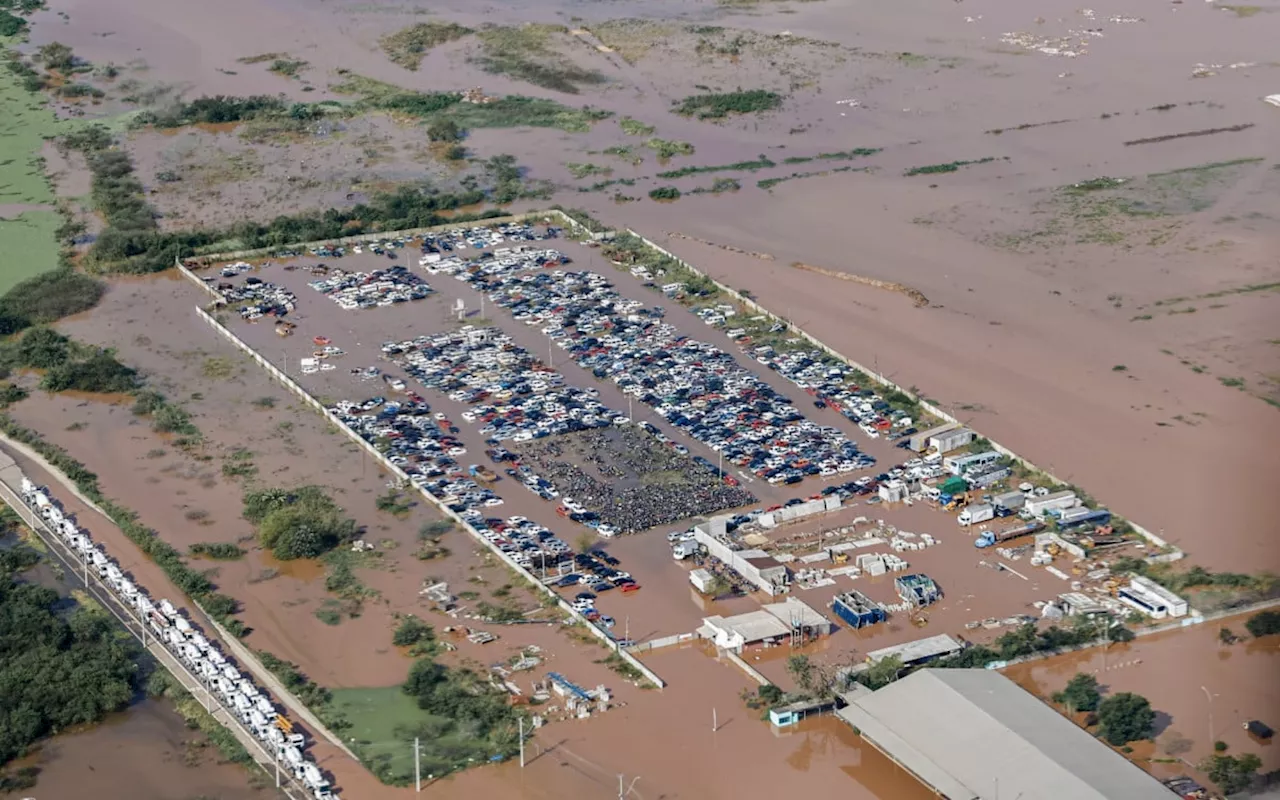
{"x":302,"y":394}
{"x":875,"y":376}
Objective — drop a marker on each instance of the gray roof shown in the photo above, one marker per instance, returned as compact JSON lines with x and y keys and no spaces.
{"x":973,"y":733}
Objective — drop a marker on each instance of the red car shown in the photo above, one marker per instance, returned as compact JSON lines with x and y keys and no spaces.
{"x":627,"y":588}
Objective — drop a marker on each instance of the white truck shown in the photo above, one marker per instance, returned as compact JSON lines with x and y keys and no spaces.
{"x":976,"y":513}
{"x":683,"y":550}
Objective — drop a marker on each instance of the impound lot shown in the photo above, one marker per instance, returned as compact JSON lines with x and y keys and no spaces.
{"x":602,"y":351}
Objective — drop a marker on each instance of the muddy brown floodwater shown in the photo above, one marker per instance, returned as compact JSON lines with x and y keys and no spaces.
{"x":145,"y":753}
{"x":1202,"y":690}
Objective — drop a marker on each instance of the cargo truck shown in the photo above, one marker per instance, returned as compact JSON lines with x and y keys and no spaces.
{"x":1011,"y":501}
{"x":980,"y":512}
{"x":990,"y":538}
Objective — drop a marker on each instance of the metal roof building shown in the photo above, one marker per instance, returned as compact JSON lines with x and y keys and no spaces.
{"x":973,"y":734}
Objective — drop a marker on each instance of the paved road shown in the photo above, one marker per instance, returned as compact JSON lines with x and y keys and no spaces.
{"x":10,"y":492}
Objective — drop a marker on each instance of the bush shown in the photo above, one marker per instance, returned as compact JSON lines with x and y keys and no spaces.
{"x":220,"y":551}
{"x":446,"y":130}
{"x":770,"y":694}
{"x":11,"y":25}
{"x":215,"y":110}
{"x":1124,"y":718}
{"x":722,"y":104}
{"x":1264,"y":623}
{"x":298,"y":523}
{"x":57,"y":55}
{"x":50,"y":297}
{"x":665,"y":193}
{"x":411,"y":631}
{"x":100,"y":372}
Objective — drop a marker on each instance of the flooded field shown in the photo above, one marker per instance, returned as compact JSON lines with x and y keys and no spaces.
{"x":145,"y":752}
{"x":1203,"y":691}
{"x":1053,"y":205}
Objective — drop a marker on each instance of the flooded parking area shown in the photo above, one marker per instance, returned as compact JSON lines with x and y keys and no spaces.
{"x":476,"y":389}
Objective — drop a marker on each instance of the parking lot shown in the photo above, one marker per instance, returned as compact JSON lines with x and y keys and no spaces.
{"x":533,"y":447}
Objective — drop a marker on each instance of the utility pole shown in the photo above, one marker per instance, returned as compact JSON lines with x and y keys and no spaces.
{"x":715,"y":723}
{"x":521,"y":742}
{"x":277,"y":767}
{"x":417,"y":766}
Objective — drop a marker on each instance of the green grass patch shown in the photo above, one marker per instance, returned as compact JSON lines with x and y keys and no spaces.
{"x":762,"y":162}
{"x":533,"y":53}
{"x":634,"y":127}
{"x":288,"y":67}
{"x":1243,"y":12}
{"x":951,"y":166}
{"x":384,"y":722}
{"x":581,"y":171}
{"x":669,"y":148}
{"x":407,"y":47}
{"x":718,"y":105}
{"x":29,"y":244}
{"x":515,"y":111}
{"x":26,"y":239}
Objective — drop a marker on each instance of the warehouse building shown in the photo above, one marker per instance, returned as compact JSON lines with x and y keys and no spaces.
{"x":790,"y":620}
{"x":920,"y":441}
{"x":973,"y":734}
{"x":758,"y":567}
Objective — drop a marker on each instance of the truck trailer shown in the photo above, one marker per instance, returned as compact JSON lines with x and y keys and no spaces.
{"x":1011,"y":501}
{"x":980,"y":512}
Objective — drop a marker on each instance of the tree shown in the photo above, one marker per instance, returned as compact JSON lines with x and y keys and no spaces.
{"x":881,"y":673}
{"x":1231,"y":773}
{"x":585,"y":541}
{"x":1080,"y":694}
{"x":57,"y":55}
{"x":445,"y":130}
{"x":1227,"y":636}
{"x":770,"y":694}
{"x":1125,"y":717}
{"x":801,"y":668}
{"x":1264,"y":623}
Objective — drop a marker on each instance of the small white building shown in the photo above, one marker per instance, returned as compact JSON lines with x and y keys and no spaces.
{"x":772,"y":623}
{"x":702,"y":580}
{"x":893,"y":491}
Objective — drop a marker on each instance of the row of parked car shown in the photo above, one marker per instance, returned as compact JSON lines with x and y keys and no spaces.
{"x":381,"y":287}
{"x":502,"y":261}
{"x":694,"y":385}
{"x":185,"y":641}
{"x":515,"y":397}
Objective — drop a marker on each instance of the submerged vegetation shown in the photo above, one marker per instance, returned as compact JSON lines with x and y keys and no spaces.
{"x":406,"y":47}
{"x":533,"y":53}
{"x":721,"y":104}
{"x":57,"y":670}
{"x":298,"y":523}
